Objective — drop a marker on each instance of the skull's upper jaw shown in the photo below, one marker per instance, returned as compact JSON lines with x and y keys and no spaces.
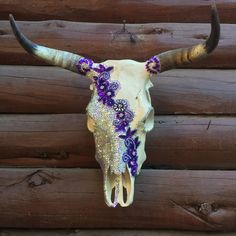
{"x":118,"y":188}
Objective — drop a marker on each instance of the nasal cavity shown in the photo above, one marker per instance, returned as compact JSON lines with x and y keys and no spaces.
{"x":125,"y":195}
{"x":115,"y":195}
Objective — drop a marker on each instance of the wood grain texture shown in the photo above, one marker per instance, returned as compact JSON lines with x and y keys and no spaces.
{"x":73,"y":198}
{"x":133,"y":11}
{"x":107,"y":232}
{"x":34,"y":89}
{"x":100,"y":41}
{"x":191,"y":142}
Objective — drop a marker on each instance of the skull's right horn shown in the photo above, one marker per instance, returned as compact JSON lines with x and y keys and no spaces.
{"x":55,"y":57}
{"x":178,"y":57}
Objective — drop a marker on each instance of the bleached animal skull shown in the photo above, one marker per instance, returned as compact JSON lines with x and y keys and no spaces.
{"x":120,"y":111}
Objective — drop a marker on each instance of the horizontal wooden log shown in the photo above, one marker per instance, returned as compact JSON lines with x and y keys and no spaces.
{"x":26,"y":89}
{"x":73,"y":198}
{"x":63,"y":141}
{"x":101,"y":42}
{"x":133,"y":11}
{"x":102,"y":232}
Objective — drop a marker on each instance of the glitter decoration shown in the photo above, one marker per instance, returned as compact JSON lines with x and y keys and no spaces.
{"x":153,"y":65}
{"x":123,"y":142}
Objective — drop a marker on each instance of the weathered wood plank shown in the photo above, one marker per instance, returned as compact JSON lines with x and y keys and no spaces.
{"x":97,"y":41}
{"x":101,"y":232}
{"x":70,"y":198}
{"x":115,"y":11}
{"x":64,"y":141}
{"x":26,"y":89}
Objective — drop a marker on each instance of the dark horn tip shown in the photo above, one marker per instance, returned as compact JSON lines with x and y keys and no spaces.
{"x":11,"y":17}
{"x":26,"y":43}
{"x":12,"y":22}
{"x":213,"y":40}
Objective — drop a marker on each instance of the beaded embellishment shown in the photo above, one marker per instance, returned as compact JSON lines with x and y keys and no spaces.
{"x":106,"y":91}
{"x":153,"y":65}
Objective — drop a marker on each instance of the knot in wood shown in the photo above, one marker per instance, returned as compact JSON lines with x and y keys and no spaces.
{"x":205,"y":208}
{"x":39,"y":178}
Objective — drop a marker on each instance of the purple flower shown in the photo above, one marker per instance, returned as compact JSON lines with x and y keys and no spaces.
{"x":129,"y":133}
{"x":120,"y":115}
{"x":110,"y":102}
{"x":132,"y":163}
{"x":153,"y":65}
{"x":124,"y":115}
{"x":137,"y":142}
{"x":129,"y":115}
{"x":104,"y":76}
{"x":84,"y":65}
{"x":110,"y":93}
{"x":106,"y":91}
{"x":120,"y":125}
{"x":101,"y":68}
{"x":134,"y":170}
{"x":132,"y":152}
{"x":114,"y":86}
{"x":130,"y":143}
{"x":102,"y":86}
{"x":106,"y":97}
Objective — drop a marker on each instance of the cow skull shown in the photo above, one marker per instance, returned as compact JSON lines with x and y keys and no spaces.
{"x":120,"y":111}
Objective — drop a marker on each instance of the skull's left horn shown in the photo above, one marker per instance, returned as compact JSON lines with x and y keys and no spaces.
{"x":176,"y":58}
{"x":55,"y":57}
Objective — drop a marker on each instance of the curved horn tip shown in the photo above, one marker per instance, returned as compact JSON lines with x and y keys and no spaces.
{"x":213,"y":40}
{"x":29,"y":46}
{"x":214,"y":9}
{"x":213,"y":4}
{"x":11,"y":17}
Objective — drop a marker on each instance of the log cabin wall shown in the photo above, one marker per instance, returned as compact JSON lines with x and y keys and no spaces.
{"x":48,"y":175}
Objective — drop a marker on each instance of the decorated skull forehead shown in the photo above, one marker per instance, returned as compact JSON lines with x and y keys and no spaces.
{"x":119,"y":115}
{"x":120,"y":111}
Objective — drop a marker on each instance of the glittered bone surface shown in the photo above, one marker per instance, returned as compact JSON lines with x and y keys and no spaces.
{"x":120,"y":112}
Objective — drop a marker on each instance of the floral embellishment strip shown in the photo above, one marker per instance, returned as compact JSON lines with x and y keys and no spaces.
{"x":106,"y":91}
{"x":153,"y":65}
